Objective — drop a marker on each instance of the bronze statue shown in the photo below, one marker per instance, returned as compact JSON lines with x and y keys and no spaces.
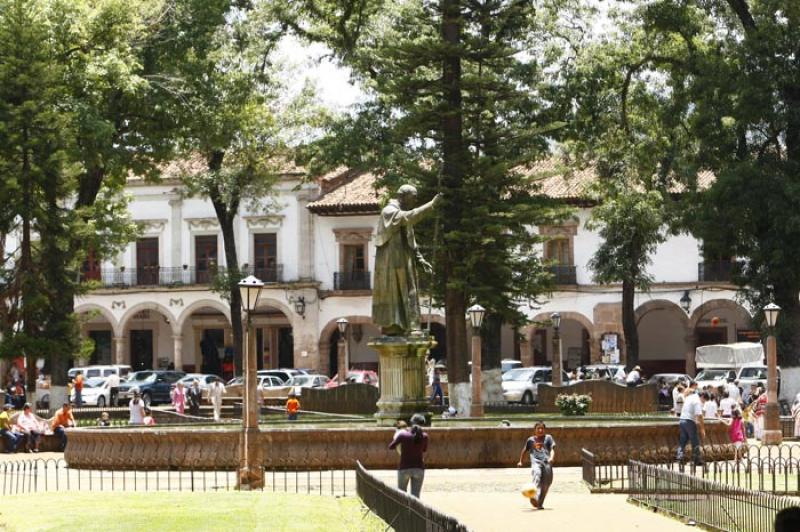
{"x":395,"y":302}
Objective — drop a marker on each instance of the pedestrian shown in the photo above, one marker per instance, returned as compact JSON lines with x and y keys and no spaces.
{"x":634,"y":377}
{"x":215,"y":392}
{"x":758,"y":411}
{"x":413,"y":444}
{"x":19,"y":393}
{"x":541,"y":449}
{"x":113,"y":388}
{"x":194,"y":397}
{"x":7,"y":431}
{"x":727,"y":404}
{"x":28,"y":425}
{"x":733,"y":391}
{"x":104,"y":420}
{"x":79,"y":389}
{"x":148,"y":420}
{"x":62,"y":421}
{"x":692,"y":427}
{"x":677,"y":399}
{"x":179,"y":398}
{"x":136,"y":407}
{"x":736,"y":431}
{"x":436,"y":386}
{"x":292,"y":407}
{"x":709,"y":406}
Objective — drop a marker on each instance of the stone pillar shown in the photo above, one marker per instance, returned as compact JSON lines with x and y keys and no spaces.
{"x":251,"y":471}
{"x":342,"y":360}
{"x":690,"y":354}
{"x":526,"y":352}
{"x":305,"y":236}
{"x":175,"y":226}
{"x":177,"y":342}
{"x":402,"y":378}
{"x":476,"y":408}
{"x":121,"y":343}
{"x":773,"y":435}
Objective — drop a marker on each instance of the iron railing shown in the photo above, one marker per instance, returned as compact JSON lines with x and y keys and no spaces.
{"x":351,"y":281}
{"x":172,"y":276}
{"x":563,"y":274}
{"x":401,"y":511}
{"x":707,"y":503}
{"x":53,"y":475}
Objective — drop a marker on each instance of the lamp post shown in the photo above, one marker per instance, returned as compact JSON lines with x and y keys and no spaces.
{"x":476,"y":314}
{"x":686,"y":301}
{"x":251,"y":475}
{"x":342,"y":357}
{"x":772,"y":428}
{"x":555,"y":317}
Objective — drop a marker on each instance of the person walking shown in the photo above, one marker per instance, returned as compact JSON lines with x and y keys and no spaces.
{"x":28,"y":425}
{"x":7,"y":431}
{"x":413,"y":444}
{"x":194,"y":397}
{"x":179,"y":398}
{"x":736,"y":431}
{"x":113,"y":389}
{"x":215,"y":392}
{"x":692,"y":426}
{"x":677,"y":399}
{"x":62,"y":421}
{"x":437,"y":387}
{"x":136,"y":407}
{"x":79,"y":389}
{"x":759,"y":408}
{"x":541,"y":449}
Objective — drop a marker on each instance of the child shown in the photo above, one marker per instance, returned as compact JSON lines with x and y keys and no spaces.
{"x":104,"y":420}
{"x":292,"y":407}
{"x":736,"y":431}
{"x":148,"y":417}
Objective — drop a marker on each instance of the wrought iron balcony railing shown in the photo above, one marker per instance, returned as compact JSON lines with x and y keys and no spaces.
{"x":171,"y":276}
{"x":351,"y":281}
{"x":563,"y":274}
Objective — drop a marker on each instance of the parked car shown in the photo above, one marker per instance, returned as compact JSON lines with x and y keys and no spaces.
{"x":715,"y":377}
{"x":153,"y":385}
{"x":507,"y":364}
{"x":235,"y":386}
{"x":283,"y":373}
{"x":307,"y":381}
{"x":95,"y":392}
{"x":355,"y":376}
{"x":670,"y":378}
{"x":749,"y":375}
{"x":603,"y":371}
{"x":521,"y":385}
{"x":204,"y":380}
{"x":100,"y":371}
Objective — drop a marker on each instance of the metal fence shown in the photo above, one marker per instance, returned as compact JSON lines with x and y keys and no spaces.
{"x":39,"y":476}
{"x":401,"y":511}
{"x":767,"y":468}
{"x":707,"y":503}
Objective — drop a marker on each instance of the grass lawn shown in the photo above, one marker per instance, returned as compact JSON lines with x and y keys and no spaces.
{"x":184,"y":511}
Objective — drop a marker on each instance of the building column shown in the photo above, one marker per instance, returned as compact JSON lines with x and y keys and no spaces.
{"x":526,"y":352}
{"x":121,"y":343}
{"x":690,"y":351}
{"x":175,"y":226}
{"x":305,"y":234}
{"x":177,"y":341}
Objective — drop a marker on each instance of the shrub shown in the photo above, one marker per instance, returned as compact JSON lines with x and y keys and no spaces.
{"x":573,"y":404}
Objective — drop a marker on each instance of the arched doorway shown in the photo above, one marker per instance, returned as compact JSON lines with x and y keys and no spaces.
{"x":149,"y":329}
{"x":575,"y":333}
{"x":205,"y":337}
{"x":97,"y":324}
{"x":274,"y":337}
{"x":663,"y":334}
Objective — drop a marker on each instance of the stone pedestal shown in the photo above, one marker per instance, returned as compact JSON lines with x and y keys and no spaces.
{"x":402,"y":376}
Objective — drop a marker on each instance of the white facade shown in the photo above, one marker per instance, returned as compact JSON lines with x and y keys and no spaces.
{"x":161,"y":320}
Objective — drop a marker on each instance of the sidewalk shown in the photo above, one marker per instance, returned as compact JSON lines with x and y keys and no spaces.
{"x":488,"y":500}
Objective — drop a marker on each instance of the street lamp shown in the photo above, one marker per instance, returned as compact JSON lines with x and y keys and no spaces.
{"x":686,"y":301}
{"x":555,"y":318}
{"x":476,"y":314}
{"x":251,"y":475}
{"x":772,"y":428}
{"x":342,"y":357}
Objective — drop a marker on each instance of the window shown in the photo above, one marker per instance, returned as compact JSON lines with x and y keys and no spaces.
{"x":355,"y":259}
{"x":147,"y":261}
{"x":265,"y":257}
{"x":205,"y":252}
{"x":558,"y":251}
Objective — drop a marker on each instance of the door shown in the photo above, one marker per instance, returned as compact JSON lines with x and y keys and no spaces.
{"x":285,"y":348}
{"x":147,"y":261}
{"x":141,"y":349}
{"x":265,"y":257}
{"x":711,"y":336}
{"x":102,"y":347}
{"x":205,"y":250}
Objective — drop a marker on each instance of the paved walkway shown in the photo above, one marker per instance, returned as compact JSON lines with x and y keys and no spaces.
{"x":488,"y":500}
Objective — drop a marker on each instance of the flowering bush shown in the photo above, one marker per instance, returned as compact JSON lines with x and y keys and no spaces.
{"x":573,"y":404}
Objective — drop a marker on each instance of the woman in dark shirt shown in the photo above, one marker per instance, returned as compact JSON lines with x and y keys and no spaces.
{"x":413,"y":443}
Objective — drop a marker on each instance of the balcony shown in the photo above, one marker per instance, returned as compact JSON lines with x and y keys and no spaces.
{"x":563,"y":274}
{"x":717,"y":271}
{"x":170,"y":276}
{"x":351,"y":281}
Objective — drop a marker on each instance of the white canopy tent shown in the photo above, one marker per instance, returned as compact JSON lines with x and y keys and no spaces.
{"x":729,"y":355}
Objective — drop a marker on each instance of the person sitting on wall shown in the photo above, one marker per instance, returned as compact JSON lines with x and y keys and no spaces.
{"x":28,"y":425}
{"x":61,"y":421}
{"x":634,"y":378}
{"x":7,"y":431}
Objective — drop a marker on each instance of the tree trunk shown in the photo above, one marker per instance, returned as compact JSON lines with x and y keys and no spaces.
{"x":491,"y":352}
{"x":629,"y":325}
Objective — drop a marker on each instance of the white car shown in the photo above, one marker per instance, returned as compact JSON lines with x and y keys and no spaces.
{"x":715,"y":377}
{"x":100,"y":371}
{"x":521,"y":385}
{"x":299,"y":382}
{"x":95,"y":392}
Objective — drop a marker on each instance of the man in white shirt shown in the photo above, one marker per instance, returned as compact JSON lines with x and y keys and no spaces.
{"x":215,"y":392}
{"x":634,"y":377}
{"x":709,"y":406}
{"x":692,"y":427}
{"x":727,"y":404}
{"x":733,"y":391}
{"x":113,"y":389}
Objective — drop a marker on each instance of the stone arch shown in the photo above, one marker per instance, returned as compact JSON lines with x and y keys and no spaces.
{"x":718,"y":304}
{"x":148,"y":305}
{"x":330,"y":327}
{"x":106,"y":313}
{"x":528,"y":347}
{"x":434,"y":318}
{"x":290,"y":314}
{"x":660,"y":304}
{"x":186,"y":313}
{"x":661,"y":350}
{"x":527,"y":331}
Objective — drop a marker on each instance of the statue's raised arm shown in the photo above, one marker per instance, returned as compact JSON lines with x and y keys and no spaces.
{"x":395,"y":299}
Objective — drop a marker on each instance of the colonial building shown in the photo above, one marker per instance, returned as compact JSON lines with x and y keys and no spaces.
{"x":153,"y":306}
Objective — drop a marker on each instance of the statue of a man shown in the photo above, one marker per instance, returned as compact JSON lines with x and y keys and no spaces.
{"x":395,"y":302}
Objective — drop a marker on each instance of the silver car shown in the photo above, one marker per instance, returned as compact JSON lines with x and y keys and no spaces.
{"x":521,"y":385}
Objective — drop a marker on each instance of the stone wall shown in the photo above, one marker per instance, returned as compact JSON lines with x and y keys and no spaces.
{"x":607,"y":397}
{"x":313,"y":448}
{"x":348,"y":399}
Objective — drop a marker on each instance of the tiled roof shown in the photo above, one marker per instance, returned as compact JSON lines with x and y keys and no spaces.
{"x":347,"y":191}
